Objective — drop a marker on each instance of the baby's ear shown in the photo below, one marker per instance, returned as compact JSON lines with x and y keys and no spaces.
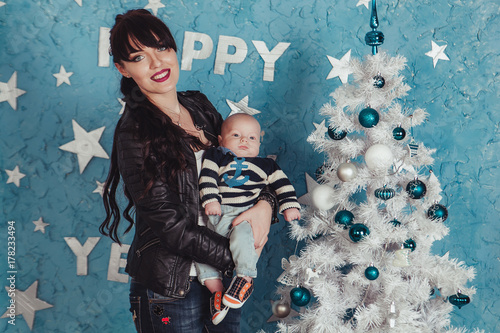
{"x":262,"y":133}
{"x":219,"y":137}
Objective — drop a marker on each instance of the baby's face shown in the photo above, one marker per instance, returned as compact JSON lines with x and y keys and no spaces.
{"x":241,"y":134}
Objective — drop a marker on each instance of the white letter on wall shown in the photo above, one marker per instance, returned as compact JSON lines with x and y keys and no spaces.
{"x":188,"y":51}
{"x":269,"y":57}
{"x":81,"y":252}
{"x":103,"y":60}
{"x":222,"y":57}
{"x":116,"y":261}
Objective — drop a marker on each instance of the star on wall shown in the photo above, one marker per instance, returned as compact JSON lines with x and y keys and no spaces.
{"x":437,"y":53}
{"x":86,"y":145}
{"x":340,"y":68}
{"x":27,"y":304}
{"x":363,"y":2}
{"x":122,"y":103}
{"x":241,"y":107}
{"x":321,"y":127}
{"x":15,"y":176}
{"x":9,"y":91}
{"x":154,"y":5}
{"x":62,"y":76}
{"x":311,"y":184}
{"x":40,"y":225}
{"x":2,"y":3}
{"x":100,"y":188}
{"x":79,"y":2}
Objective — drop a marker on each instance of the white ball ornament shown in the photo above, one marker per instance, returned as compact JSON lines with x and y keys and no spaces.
{"x":322,"y":197}
{"x":347,"y":172}
{"x":378,"y":156}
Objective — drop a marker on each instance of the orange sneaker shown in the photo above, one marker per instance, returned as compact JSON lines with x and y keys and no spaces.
{"x":237,"y":293}
{"x":217,"y":309}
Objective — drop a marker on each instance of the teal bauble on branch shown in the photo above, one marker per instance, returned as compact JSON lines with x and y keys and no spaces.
{"x":378,"y":81}
{"x":371,"y":273}
{"x":459,"y":299}
{"x":398,"y":133}
{"x":336,"y":134}
{"x":385,"y":193}
{"x":300,"y":296}
{"x":410,"y":244}
{"x":395,"y":222}
{"x":437,"y":211}
{"x":416,"y":189}
{"x":358,"y":231}
{"x":344,"y":217}
{"x":368,"y":117}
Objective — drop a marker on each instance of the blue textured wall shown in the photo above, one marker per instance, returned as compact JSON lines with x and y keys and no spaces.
{"x":37,"y":37}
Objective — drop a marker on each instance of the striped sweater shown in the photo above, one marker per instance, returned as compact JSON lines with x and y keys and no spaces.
{"x":237,"y":181}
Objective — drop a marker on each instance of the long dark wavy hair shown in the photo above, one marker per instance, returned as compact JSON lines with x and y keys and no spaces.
{"x":163,"y":141}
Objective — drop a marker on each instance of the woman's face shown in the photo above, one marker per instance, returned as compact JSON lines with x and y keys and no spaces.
{"x":155,"y":70}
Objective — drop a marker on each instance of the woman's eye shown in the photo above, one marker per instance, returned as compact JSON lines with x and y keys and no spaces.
{"x":162,"y":48}
{"x":138,"y":58}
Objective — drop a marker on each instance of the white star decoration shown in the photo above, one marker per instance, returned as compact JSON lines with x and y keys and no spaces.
{"x":241,"y":107}
{"x":311,"y":184}
{"x":363,"y":2}
{"x":62,"y":76}
{"x":9,"y":91}
{"x":321,"y":128}
{"x":154,"y":5}
{"x":27,"y":303}
{"x":86,"y":145}
{"x":122,"y":103}
{"x":100,"y":188}
{"x":2,"y":3}
{"x":341,"y":68}
{"x":15,"y":176}
{"x":40,"y":225}
{"x":79,"y":2}
{"x":437,"y":53}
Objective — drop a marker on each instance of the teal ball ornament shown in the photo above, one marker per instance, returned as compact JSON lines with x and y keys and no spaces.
{"x":410,"y":244}
{"x":385,"y":193}
{"x":416,"y":189}
{"x":437,"y":211}
{"x":378,"y":81}
{"x":344,"y":217}
{"x":459,"y":300}
{"x":368,"y":117}
{"x":336,"y":134}
{"x":358,"y":231}
{"x":371,"y":273}
{"x":300,"y":296}
{"x":395,"y":222}
{"x":399,"y":133}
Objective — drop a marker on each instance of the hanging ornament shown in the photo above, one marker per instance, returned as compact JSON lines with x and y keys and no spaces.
{"x":437,"y":211}
{"x":378,"y":156}
{"x":372,"y":273}
{"x":413,"y":148}
{"x":347,"y":171}
{"x":322,"y":197}
{"x":300,"y":296}
{"x":368,"y":117}
{"x":344,"y":217}
{"x":392,"y":315}
{"x":374,"y":38}
{"x":358,"y":231}
{"x":281,"y":309}
{"x":459,"y":299}
{"x":395,"y":222}
{"x":410,"y":244}
{"x":311,"y":274}
{"x":399,"y":133}
{"x":402,"y":258}
{"x":416,"y":189}
{"x":336,"y":134}
{"x":378,"y":81}
{"x":385,"y":193}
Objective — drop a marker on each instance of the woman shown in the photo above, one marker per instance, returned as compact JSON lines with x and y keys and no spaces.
{"x":157,"y":149}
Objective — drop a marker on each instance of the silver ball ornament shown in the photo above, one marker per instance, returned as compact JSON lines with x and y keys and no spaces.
{"x":378,"y":156}
{"x":281,"y":309}
{"x":322,"y":197}
{"x":347,"y":172}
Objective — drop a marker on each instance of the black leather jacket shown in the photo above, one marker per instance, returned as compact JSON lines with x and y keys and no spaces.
{"x":167,"y":235}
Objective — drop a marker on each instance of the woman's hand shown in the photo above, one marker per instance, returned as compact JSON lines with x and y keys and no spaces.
{"x":259,"y":217}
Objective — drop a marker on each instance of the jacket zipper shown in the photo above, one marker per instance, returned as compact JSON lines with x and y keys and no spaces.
{"x":145,"y":246}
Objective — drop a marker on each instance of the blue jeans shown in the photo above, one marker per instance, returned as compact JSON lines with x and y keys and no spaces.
{"x":154,"y":313}
{"x":241,"y":244}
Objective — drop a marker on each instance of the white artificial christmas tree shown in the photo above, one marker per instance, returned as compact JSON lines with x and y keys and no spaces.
{"x":371,"y":218}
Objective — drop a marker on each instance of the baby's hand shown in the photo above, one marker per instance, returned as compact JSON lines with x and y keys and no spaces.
{"x":291,"y":214}
{"x":213,"y":208}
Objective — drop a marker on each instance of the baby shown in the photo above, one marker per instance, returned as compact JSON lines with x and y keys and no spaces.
{"x":231,"y":178}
